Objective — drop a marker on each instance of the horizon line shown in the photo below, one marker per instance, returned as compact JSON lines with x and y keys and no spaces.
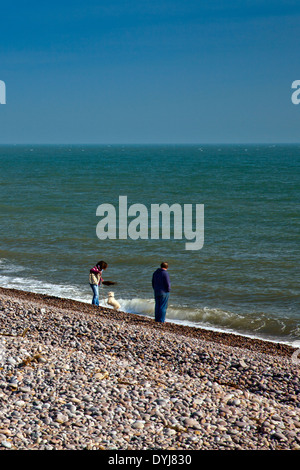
{"x":147,"y":143}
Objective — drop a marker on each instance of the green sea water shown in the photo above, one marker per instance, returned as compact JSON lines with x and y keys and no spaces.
{"x":245,"y":278}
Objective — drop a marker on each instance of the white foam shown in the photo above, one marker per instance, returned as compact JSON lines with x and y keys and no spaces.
{"x":41,"y":287}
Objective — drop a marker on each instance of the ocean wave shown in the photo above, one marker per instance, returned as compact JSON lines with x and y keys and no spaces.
{"x":41,"y":287}
{"x":8,"y":267}
{"x":256,"y":324}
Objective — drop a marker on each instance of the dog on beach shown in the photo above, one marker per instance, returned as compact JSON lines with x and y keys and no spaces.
{"x":112,"y":301}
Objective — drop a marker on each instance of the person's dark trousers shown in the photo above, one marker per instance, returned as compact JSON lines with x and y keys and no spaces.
{"x":161,"y":304}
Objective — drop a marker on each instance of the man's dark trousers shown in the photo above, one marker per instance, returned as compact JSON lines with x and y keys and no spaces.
{"x":161,"y":304}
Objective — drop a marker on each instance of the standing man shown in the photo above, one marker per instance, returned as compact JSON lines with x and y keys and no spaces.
{"x":161,"y":286}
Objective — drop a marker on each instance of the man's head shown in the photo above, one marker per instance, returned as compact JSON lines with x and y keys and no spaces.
{"x":164,"y":265}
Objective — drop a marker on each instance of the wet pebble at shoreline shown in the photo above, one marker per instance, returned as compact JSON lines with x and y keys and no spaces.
{"x":79,"y":380}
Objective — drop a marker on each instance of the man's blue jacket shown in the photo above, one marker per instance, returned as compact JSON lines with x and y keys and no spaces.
{"x":161,"y":282}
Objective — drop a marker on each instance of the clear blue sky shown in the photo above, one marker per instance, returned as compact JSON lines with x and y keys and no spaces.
{"x":164,"y":71}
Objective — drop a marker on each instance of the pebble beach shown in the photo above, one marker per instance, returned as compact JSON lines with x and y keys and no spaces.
{"x":78,"y":377}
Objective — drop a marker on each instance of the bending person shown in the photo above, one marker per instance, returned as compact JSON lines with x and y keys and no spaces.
{"x":95,"y":279}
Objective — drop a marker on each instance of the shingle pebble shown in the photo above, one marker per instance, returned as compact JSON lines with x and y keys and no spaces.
{"x":85,"y":380}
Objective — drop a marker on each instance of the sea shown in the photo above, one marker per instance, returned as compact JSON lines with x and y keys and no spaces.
{"x":243,"y":280}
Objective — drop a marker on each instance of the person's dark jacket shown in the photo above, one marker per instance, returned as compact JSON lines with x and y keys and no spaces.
{"x":161,"y":281}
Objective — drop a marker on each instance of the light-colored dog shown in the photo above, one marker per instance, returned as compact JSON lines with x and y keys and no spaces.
{"x":112,"y":301}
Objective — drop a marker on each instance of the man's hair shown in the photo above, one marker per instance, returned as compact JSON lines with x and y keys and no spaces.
{"x":164,"y":265}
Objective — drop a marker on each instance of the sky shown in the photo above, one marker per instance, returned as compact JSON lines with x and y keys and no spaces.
{"x":149,"y":72}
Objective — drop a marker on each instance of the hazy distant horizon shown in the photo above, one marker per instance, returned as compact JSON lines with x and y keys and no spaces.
{"x":147,"y":143}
